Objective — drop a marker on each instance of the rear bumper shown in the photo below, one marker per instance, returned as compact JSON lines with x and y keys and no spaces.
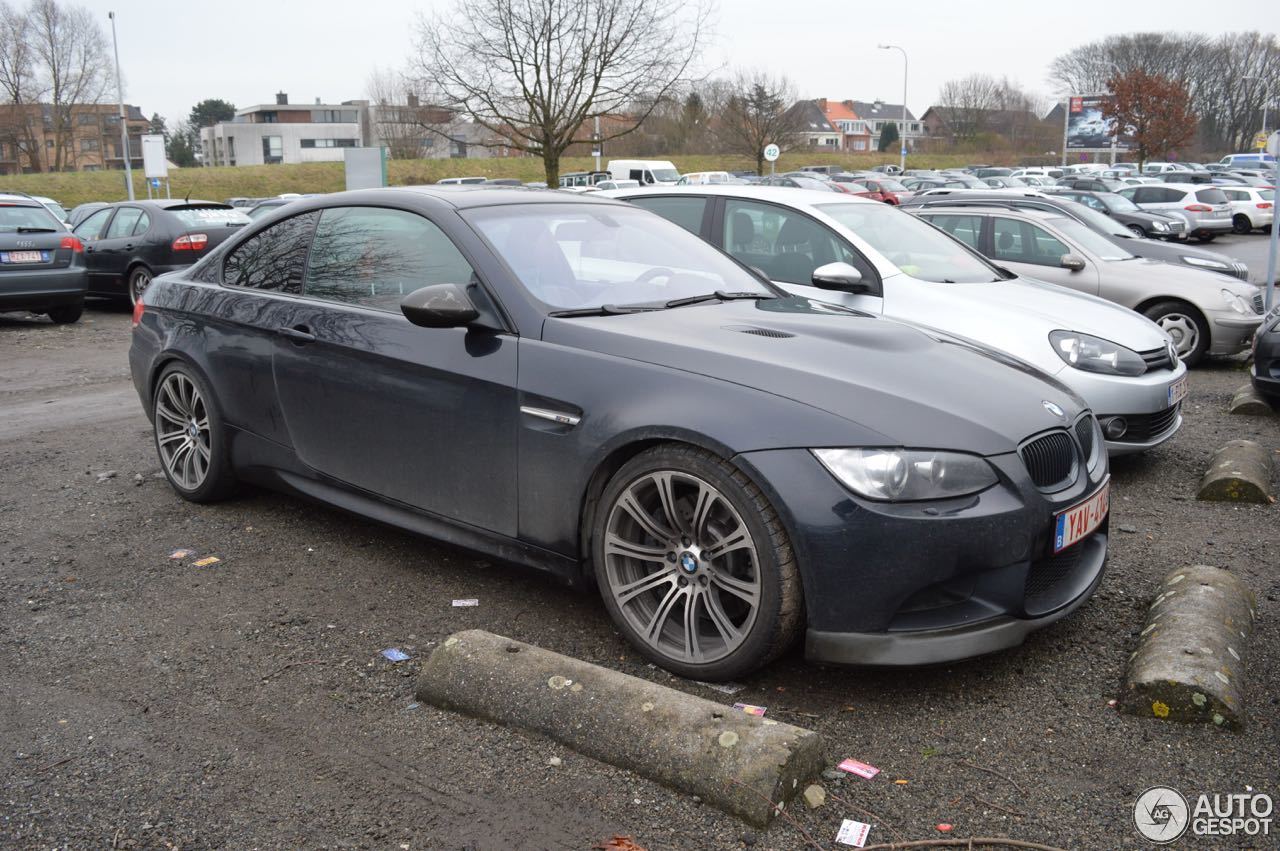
{"x":39,"y":290}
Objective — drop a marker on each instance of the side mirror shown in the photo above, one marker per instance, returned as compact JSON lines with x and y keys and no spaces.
{"x":1073,"y":262}
{"x":839,"y":276}
{"x":439,"y":306}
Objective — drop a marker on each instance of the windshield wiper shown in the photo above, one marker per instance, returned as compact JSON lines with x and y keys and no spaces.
{"x":718,"y":295}
{"x":36,"y":230}
{"x":602,"y":310}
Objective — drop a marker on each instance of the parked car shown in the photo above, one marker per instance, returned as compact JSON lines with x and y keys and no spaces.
{"x":887,"y":168}
{"x":891,"y":191}
{"x":1090,"y":183}
{"x":1266,"y":357}
{"x":1251,"y":208}
{"x":1176,"y":251}
{"x":695,"y":178}
{"x":617,"y":184}
{"x":41,"y":265}
{"x":1006,"y":182}
{"x":822,"y":169}
{"x":503,"y":181}
{"x":1139,"y":181}
{"x":583,"y":178}
{"x":48,"y":203}
{"x":1202,"y":178}
{"x":648,"y":172}
{"x":128,"y":244}
{"x":460,"y":181}
{"x":1161,"y":167}
{"x":1253,"y":160}
{"x":1202,"y":313}
{"x":265,"y":206}
{"x":992,"y":171}
{"x":1204,"y":207}
{"x":81,"y":211}
{"x":812,"y":183}
{"x":642,"y":411}
{"x":1140,"y":222}
{"x":907,"y":270}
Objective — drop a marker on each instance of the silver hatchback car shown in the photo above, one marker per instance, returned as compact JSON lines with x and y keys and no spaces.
{"x":1206,"y":209}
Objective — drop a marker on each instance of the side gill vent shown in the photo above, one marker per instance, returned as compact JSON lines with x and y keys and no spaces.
{"x":759,"y":332}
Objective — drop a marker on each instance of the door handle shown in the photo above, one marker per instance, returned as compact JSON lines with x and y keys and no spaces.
{"x":297,"y":333}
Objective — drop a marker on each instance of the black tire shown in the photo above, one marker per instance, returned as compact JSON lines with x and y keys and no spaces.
{"x":139,"y":280}
{"x":1138,"y":231}
{"x":1169,"y":315}
{"x":65,"y":314}
{"x":1240,"y":223}
{"x":779,"y":614}
{"x":1207,"y":237}
{"x":219,"y":480}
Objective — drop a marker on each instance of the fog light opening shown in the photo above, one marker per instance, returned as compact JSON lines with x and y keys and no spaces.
{"x":1114,"y":427}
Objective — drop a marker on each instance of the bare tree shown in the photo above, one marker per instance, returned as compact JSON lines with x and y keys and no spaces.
{"x":71,"y":49}
{"x":19,"y":87}
{"x":533,"y":71}
{"x":397,"y":117}
{"x":760,"y":110}
{"x":966,"y":104}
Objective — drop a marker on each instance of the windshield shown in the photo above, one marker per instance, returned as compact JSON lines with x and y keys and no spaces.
{"x":1118,"y":203}
{"x":664,"y":175}
{"x":1099,"y":222}
{"x":197,"y":217}
{"x":13,"y":218}
{"x":917,"y":248}
{"x":1091,"y":241}
{"x":587,"y":255}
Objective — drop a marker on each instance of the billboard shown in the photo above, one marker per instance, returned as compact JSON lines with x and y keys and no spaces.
{"x":1086,"y":128}
{"x":154,"y":163}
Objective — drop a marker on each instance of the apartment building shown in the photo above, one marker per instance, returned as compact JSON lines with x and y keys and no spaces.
{"x":87,"y":138}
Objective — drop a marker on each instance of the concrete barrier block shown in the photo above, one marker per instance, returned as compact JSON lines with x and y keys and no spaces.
{"x":1246,"y":402}
{"x":748,"y":766}
{"x":1239,"y":472}
{"x":1189,"y":664}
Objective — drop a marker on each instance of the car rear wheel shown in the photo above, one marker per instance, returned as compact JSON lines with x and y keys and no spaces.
{"x":66,"y":313}
{"x":1138,"y":231}
{"x":139,"y":280}
{"x":1241,"y":224}
{"x":190,"y":436}
{"x":1207,"y":237}
{"x":1185,"y":325}
{"x":694,"y":564}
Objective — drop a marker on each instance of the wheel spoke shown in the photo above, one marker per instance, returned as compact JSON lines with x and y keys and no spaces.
{"x":629,"y":504}
{"x":667,"y":496}
{"x":691,"y":647}
{"x":626,"y":593}
{"x":702,"y":510}
{"x":737,"y":540}
{"x":740,"y":588}
{"x":170,"y":437}
{"x":728,"y":632}
{"x":653,"y":631}
{"x":614,"y":545}
{"x":176,"y":404}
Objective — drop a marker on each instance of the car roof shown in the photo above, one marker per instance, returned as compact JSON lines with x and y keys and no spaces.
{"x":466,"y":196}
{"x":19,"y":200}
{"x":776,"y":194}
{"x":168,"y":203}
{"x":962,"y":209}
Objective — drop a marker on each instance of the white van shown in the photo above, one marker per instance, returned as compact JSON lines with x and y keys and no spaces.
{"x":1248,"y":161}
{"x":648,"y":172}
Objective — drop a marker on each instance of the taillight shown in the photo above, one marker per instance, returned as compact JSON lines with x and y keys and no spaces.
{"x":1199,"y":208}
{"x":1265,"y":205}
{"x":138,"y":307}
{"x":72,"y":242}
{"x":191,"y":242}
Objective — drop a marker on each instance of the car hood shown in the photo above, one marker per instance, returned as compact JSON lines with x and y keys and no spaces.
{"x":1183,"y":281}
{"x":1171,"y":252}
{"x":1017,"y":316}
{"x":910,"y":387}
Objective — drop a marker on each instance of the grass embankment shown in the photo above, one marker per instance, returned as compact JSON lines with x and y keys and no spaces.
{"x":218,"y":184}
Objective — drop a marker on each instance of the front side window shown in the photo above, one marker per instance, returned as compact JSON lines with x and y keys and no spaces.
{"x":1023,"y":242}
{"x":124,"y":222}
{"x":588,"y":255}
{"x":911,"y":245}
{"x":91,"y":228}
{"x":783,"y":243}
{"x":685,"y":212}
{"x":373,"y":257}
{"x":274,"y":258}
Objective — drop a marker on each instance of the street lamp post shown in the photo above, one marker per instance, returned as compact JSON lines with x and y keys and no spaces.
{"x":124,"y":127}
{"x":902,"y":131}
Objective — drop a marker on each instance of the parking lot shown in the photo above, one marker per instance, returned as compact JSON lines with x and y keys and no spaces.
{"x":151,"y":703}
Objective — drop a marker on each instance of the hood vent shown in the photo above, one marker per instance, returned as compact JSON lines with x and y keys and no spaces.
{"x":759,"y":332}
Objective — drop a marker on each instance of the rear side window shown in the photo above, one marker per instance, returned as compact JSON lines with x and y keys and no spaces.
{"x":685,"y":212}
{"x":967,"y":229}
{"x":144,"y":222}
{"x":374,"y":257}
{"x":274,"y":259}
{"x":124,"y":222}
{"x":13,"y":217}
{"x":1211,"y":196}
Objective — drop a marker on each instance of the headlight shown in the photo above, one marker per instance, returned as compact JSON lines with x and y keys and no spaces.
{"x":1159,"y":226}
{"x":902,"y":475}
{"x":1094,"y":354}
{"x":1205,"y":263}
{"x":1236,"y":303}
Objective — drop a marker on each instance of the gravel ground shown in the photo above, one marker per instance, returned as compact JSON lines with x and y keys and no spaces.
{"x":150,"y":703}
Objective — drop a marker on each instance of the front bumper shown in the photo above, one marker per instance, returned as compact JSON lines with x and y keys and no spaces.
{"x":922,"y":583}
{"x":38,"y":290}
{"x":1266,"y":361}
{"x":1231,"y":332}
{"x":1142,"y":401}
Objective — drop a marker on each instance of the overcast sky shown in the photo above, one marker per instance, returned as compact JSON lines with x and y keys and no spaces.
{"x":174,"y":55}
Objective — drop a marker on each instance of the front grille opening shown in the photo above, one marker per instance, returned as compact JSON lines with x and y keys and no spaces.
{"x":1051,"y":460}
{"x":1258,"y":304}
{"x":1084,"y":434}
{"x":1144,"y":427}
{"x":1050,"y":581}
{"x":1157,"y":359}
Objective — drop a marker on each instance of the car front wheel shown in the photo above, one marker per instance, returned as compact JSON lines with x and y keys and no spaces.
{"x":190,"y":436}
{"x":1138,"y":231}
{"x":1187,"y":327}
{"x":66,"y":314}
{"x":694,"y":564}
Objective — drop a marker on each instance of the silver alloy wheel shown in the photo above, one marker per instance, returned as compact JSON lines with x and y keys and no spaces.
{"x":182,"y":431}
{"x":1183,"y":330}
{"x":682,"y":566}
{"x":138,"y":283}
{"x":1138,"y":231}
